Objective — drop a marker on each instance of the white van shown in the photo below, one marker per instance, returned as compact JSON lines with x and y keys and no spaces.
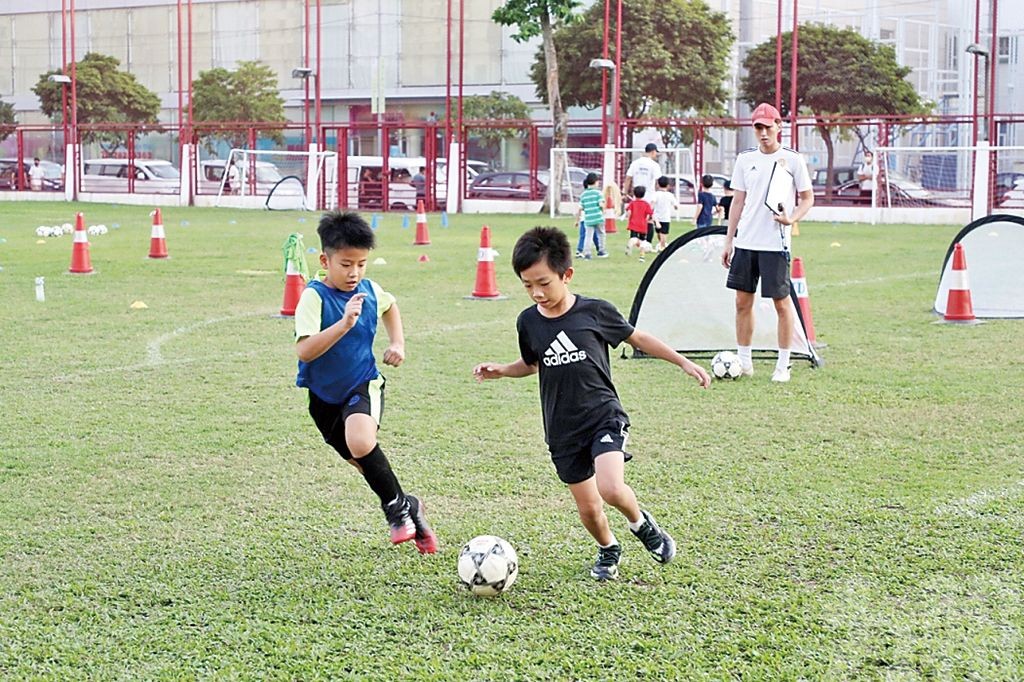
{"x":152,"y":176}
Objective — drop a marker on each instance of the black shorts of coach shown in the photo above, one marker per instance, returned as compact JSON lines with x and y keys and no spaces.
{"x":330,"y":418}
{"x":771,"y":267}
{"x":575,"y":463}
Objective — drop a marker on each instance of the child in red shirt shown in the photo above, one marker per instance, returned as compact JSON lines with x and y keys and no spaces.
{"x":640,"y":215}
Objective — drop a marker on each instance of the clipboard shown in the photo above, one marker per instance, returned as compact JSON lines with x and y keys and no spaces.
{"x":781,"y":187}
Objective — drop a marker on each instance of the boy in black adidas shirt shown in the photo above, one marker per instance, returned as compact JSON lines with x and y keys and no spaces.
{"x":566,"y":337}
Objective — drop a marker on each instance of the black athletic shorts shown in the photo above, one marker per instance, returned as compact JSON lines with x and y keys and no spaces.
{"x":575,"y":464}
{"x":330,"y":418}
{"x":771,"y":267}
{"x":642,"y":236}
{"x":663,"y":228}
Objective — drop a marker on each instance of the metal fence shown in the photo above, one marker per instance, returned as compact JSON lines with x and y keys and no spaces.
{"x":928,"y":161}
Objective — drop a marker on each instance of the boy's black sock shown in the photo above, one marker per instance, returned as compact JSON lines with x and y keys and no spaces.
{"x":379,"y":476}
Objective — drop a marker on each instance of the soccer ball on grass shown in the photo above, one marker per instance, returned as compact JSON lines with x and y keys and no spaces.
{"x":488,"y":565}
{"x":726,"y":365}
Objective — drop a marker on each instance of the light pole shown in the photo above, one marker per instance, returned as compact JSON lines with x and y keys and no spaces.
{"x":64,"y":81}
{"x":608,"y":163}
{"x":305,"y":73}
{"x":979,"y":50}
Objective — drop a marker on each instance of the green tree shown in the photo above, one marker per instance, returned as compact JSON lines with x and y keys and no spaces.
{"x":7,"y":120}
{"x":249,"y":93}
{"x":684,"y":76}
{"x":104,"y":94}
{"x":840,"y":73}
{"x":496,"y":106}
{"x":542,"y":17}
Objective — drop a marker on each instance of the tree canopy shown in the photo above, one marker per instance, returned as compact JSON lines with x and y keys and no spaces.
{"x":495,"y":106}
{"x":839,"y":73}
{"x":249,"y":93}
{"x":7,"y":120}
{"x":542,"y":17}
{"x":104,"y":94}
{"x":686,"y":72}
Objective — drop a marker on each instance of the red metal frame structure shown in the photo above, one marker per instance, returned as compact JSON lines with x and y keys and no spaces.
{"x":794,"y":117}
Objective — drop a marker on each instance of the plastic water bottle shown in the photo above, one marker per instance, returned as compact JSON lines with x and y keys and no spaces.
{"x":40,"y":289}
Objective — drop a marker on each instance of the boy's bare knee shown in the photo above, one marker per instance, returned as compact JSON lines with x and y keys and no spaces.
{"x":360,"y":447}
{"x":591,"y":512}
{"x":613,"y":493}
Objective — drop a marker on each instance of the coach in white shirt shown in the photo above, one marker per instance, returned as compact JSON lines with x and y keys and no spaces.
{"x":757,"y":240}
{"x":644,"y":172}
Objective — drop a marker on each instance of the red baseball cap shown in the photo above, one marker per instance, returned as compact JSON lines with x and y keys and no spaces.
{"x":766,"y":114}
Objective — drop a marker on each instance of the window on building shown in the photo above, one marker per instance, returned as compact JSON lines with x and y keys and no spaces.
{"x":1006,"y":50}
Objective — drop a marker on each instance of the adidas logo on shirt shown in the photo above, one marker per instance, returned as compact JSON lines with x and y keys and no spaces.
{"x":562,"y":351}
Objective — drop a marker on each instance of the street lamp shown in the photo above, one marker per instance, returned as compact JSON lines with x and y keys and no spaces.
{"x":978,"y":50}
{"x":64,"y":81}
{"x":305,"y":73}
{"x":599,"y":63}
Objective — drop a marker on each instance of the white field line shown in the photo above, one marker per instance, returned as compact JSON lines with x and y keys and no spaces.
{"x":873,"y":280}
{"x":155,"y":355}
{"x":968,"y":506}
{"x":154,"y":349}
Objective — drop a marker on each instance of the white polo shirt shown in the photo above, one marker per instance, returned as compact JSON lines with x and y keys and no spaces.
{"x":645,"y":172}
{"x":757,"y":229}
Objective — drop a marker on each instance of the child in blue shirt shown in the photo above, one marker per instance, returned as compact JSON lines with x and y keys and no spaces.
{"x":335,"y":323}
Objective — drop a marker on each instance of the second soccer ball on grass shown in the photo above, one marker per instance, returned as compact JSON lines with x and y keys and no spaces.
{"x":726,"y":365}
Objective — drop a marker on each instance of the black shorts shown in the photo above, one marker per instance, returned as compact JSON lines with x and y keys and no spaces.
{"x":662,"y":228}
{"x":771,"y":267}
{"x":575,"y":464}
{"x":330,"y":418}
{"x":642,"y":236}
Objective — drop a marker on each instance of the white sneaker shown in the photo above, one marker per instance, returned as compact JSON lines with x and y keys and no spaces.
{"x":746,"y":370}
{"x":780,"y":375}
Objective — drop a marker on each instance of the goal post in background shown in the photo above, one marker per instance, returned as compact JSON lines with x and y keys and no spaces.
{"x":259,"y":171}
{"x":951,"y":176}
{"x":676,"y":163}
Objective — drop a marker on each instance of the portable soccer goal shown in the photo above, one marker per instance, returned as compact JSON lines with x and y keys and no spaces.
{"x":676,"y":164}
{"x":994,"y":249}
{"x":682,"y":299}
{"x":281,"y":176}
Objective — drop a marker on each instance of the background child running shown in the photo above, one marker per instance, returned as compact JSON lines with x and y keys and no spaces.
{"x":640,"y":215}
{"x":593,"y":218}
{"x":665,"y":206}
{"x":566,"y":338}
{"x":335,"y":323}
{"x":706,"y":202}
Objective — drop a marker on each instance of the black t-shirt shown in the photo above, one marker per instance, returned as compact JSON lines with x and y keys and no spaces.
{"x":571,"y":352}
{"x":726,"y":203}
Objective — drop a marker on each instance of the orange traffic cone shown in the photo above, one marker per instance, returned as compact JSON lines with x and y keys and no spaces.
{"x":802,"y":296}
{"x":157,"y":239}
{"x":293,"y":286}
{"x":81,"y":264}
{"x":609,"y":216}
{"x":486,"y":282}
{"x":422,"y":234}
{"x":958,"y":303}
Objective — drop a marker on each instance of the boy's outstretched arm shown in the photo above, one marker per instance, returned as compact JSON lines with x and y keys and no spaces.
{"x":494,"y":370}
{"x":655,"y":347}
{"x":395,"y":352}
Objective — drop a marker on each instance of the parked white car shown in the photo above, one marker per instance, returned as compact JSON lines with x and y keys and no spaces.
{"x":152,"y":176}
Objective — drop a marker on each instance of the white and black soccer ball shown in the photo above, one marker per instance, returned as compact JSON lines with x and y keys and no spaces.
{"x":488,"y":565}
{"x":726,"y":365}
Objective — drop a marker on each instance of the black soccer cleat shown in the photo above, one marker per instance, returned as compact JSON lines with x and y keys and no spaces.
{"x":659,"y":543}
{"x":607,"y":566}
{"x":426,"y":540}
{"x":402,"y":526}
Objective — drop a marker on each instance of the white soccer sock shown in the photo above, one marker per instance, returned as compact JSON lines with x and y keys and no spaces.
{"x":614,"y":542}
{"x":744,"y":353}
{"x":635,"y":525}
{"x":783,"y":361}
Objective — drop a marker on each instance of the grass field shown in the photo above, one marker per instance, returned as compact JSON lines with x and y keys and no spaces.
{"x":168,"y":510}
